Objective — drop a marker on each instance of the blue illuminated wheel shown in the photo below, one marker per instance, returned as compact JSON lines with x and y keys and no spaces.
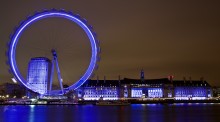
{"x":48,"y":14}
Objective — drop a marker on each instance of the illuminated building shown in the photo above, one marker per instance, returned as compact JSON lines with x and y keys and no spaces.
{"x":145,"y":88}
{"x":96,"y":89}
{"x":191,"y":90}
{"x":126,"y":88}
{"x":38,"y":74}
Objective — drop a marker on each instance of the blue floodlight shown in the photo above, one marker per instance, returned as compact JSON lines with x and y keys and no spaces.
{"x":46,"y":14}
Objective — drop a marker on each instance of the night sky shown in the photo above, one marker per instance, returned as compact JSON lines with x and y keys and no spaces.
{"x":180,"y":38}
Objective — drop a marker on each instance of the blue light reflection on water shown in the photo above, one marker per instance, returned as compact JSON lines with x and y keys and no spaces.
{"x":90,"y":113}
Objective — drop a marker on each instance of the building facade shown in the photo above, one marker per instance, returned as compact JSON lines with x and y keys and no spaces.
{"x":100,"y":89}
{"x":38,"y":74}
{"x":145,"y":89}
{"x":192,"y":90}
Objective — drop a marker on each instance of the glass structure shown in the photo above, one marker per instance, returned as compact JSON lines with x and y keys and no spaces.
{"x":38,"y":74}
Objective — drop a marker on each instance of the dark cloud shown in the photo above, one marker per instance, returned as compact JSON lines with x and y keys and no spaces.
{"x":163,"y":37}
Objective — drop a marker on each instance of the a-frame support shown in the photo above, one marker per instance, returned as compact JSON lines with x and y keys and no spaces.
{"x":55,"y":62}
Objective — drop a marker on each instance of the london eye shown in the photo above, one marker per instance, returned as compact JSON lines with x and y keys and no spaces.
{"x":62,"y":14}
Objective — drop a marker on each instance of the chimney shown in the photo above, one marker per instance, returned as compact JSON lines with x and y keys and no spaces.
{"x":202,"y":79}
{"x":190,"y":79}
{"x":119,"y":79}
{"x":184,"y":79}
{"x":171,"y":78}
{"x":97,"y":79}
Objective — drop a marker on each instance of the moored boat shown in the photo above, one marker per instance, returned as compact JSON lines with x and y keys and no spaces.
{"x":112,"y":103}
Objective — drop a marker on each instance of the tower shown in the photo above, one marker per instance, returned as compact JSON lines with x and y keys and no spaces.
{"x":38,"y":74}
{"x":142,"y":75}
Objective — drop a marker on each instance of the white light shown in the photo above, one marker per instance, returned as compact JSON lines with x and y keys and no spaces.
{"x":32,"y":106}
{"x":13,"y":79}
{"x":33,"y":100}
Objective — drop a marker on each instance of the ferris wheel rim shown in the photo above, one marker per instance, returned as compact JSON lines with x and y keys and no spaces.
{"x":54,"y":13}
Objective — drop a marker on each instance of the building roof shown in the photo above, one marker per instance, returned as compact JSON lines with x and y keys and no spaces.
{"x":192,"y":83}
{"x":40,"y":59}
{"x":101,"y":83}
{"x":146,"y":81}
{"x":161,"y":81}
{"x":125,"y":81}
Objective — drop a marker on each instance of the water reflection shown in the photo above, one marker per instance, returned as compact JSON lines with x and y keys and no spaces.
{"x":91,"y":113}
{"x":31,"y":118}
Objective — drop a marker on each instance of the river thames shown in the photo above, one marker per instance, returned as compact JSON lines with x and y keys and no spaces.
{"x":196,"y":112}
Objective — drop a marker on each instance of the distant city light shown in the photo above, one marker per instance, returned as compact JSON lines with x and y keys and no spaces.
{"x":14,"y":80}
